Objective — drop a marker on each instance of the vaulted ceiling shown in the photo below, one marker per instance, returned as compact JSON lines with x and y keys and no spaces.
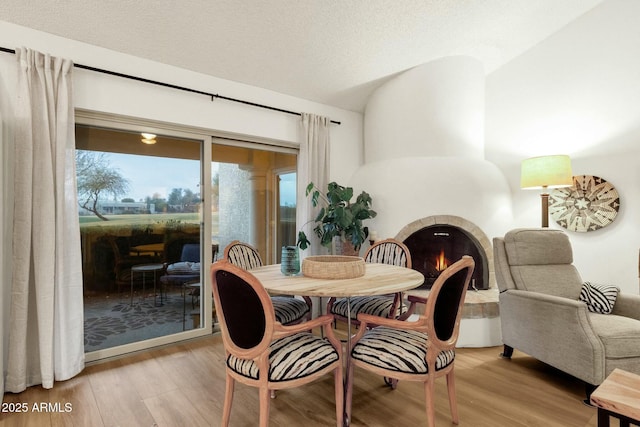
{"x":330,"y":51}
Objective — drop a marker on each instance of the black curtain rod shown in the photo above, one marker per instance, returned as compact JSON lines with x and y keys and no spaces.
{"x":186,"y":89}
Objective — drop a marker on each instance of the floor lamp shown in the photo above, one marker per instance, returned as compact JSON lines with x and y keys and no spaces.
{"x":546,"y":172}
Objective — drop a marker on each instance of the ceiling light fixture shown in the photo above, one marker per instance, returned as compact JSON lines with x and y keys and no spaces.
{"x":148,"y":138}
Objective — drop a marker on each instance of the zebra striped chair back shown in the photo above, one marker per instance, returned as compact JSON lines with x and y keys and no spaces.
{"x":243,"y":255}
{"x":388,"y":251}
{"x":288,"y":310}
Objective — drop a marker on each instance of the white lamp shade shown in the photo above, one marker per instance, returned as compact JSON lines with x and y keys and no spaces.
{"x":546,"y":172}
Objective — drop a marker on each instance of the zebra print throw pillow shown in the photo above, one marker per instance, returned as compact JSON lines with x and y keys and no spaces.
{"x":599,"y":298}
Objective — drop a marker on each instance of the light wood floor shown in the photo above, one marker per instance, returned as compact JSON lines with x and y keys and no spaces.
{"x":183,"y":385}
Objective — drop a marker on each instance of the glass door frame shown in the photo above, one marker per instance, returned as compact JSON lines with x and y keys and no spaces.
{"x":113,"y":121}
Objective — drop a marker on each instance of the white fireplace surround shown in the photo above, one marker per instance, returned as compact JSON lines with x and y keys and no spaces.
{"x":425,"y":164}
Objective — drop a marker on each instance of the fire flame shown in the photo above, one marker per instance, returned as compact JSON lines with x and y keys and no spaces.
{"x":441,"y":261}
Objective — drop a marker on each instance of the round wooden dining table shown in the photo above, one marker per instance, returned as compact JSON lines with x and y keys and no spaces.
{"x":378,"y":279}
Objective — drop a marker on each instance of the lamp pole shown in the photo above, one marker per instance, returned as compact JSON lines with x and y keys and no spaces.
{"x":545,"y":207}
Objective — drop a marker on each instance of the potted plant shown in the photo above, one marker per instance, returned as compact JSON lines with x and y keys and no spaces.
{"x":339,"y":217}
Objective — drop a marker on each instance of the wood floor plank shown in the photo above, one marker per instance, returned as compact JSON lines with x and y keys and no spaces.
{"x":118,"y":401}
{"x":26,"y":416}
{"x":183,"y":384}
{"x":175,"y":410}
{"x":147,"y":375}
{"x":77,"y":403}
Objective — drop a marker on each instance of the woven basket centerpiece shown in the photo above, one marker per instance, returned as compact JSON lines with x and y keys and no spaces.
{"x":333,"y":267}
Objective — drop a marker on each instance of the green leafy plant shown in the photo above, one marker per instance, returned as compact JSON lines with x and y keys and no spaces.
{"x":338,"y":215}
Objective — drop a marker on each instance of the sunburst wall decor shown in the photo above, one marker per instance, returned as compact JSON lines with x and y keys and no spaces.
{"x":590,"y":204}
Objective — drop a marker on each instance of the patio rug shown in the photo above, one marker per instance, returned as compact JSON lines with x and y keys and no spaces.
{"x":112,"y":322}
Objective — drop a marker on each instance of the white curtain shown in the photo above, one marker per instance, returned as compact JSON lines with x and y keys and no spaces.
{"x":46,"y":332}
{"x":313,"y":166}
{"x":6,"y":222}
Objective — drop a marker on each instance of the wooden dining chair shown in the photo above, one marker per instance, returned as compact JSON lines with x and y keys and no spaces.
{"x":420,"y":350}
{"x":289,"y":310}
{"x":389,"y":251}
{"x":261,"y":352}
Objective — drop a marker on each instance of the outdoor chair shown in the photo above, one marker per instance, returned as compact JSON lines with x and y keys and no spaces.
{"x":123,"y":261}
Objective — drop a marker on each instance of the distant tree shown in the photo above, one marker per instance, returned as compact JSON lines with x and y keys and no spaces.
{"x":96,"y":177}
{"x":158,"y":201}
{"x":128,"y":200}
{"x":175,"y":197}
{"x":183,"y":200}
{"x":190,"y":201}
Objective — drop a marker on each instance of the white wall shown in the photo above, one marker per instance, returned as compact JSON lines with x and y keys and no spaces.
{"x":577,"y":93}
{"x":434,"y":109}
{"x":100,"y":92}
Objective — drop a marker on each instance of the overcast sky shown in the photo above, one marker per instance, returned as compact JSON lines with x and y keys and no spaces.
{"x":148,"y":175}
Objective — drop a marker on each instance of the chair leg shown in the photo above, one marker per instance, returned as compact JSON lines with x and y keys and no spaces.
{"x":339,"y":392}
{"x":349,"y":392}
{"x":391,"y":382}
{"x":228,"y":399}
{"x":507,"y":352}
{"x":429,"y":391}
{"x":451,"y":389}
{"x":265,"y":396}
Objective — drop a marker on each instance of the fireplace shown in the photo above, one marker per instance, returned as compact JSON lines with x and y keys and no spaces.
{"x":435,"y":248}
{"x":437,"y":242}
{"x":424,"y":165}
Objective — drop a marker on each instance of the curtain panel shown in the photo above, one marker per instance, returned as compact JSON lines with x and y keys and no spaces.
{"x":313,"y":166}
{"x":46,"y":332}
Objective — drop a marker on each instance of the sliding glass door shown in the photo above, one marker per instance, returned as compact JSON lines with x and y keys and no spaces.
{"x":141,"y":222}
{"x":154,"y":213}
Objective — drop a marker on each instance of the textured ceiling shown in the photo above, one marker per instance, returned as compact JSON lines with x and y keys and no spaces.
{"x":330,"y":51}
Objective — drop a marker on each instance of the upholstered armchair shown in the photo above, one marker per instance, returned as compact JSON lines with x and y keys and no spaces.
{"x":544,"y":315}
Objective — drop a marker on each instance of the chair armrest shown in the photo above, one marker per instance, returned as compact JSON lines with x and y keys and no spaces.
{"x":281,"y":330}
{"x":554,"y":330}
{"x":535,"y":308}
{"x":414,"y":300}
{"x":627,"y":305}
{"x":369,"y":320}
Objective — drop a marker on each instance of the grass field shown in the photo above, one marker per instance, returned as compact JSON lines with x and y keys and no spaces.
{"x":139,"y":219}
{"x":150,"y":223}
